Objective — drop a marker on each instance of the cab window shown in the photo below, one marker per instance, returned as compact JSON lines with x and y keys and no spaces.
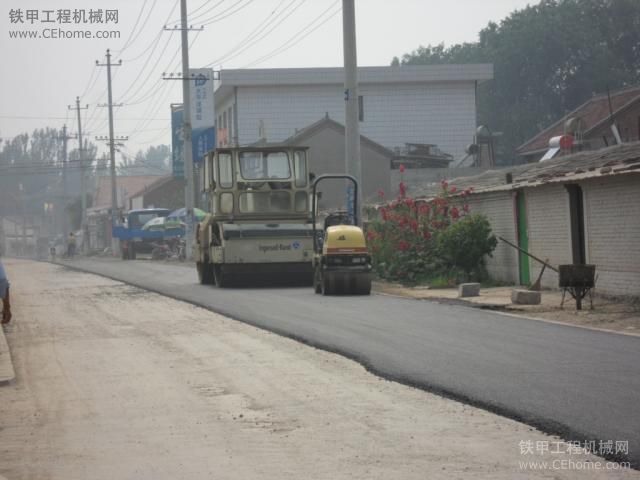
{"x":225,"y":170}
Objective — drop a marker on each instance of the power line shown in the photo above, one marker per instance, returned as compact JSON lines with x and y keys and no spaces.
{"x":135,"y":25}
{"x":152,"y":91}
{"x":251,"y":39}
{"x":131,"y":85}
{"x":164,"y":131}
{"x":159,"y":103}
{"x":89,"y":83}
{"x":220,"y":16}
{"x":144,"y":24}
{"x":297,"y":38}
{"x":202,"y":6}
{"x":156,"y":38}
{"x":191,"y":20}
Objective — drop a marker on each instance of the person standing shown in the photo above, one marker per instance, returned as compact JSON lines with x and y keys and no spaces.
{"x":71,"y":245}
{"x":4,"y":294}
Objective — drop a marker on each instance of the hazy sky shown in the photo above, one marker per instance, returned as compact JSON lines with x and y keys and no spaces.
{"x":40,"y":77}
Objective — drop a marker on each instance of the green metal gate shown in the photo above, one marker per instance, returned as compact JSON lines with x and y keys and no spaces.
{"x":523,"y":238}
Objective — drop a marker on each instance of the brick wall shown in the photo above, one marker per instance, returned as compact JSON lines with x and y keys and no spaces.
{"x":498,"y":208}
{"x":612,"y":231}
{"x":549,"y":229}
{"x":612,"y":224}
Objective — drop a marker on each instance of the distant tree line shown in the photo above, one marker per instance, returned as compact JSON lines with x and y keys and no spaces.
{"x":548,"y":59}
{"x":31,"y":171}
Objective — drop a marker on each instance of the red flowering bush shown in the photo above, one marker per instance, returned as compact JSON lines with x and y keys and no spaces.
{"x":403,"y":240}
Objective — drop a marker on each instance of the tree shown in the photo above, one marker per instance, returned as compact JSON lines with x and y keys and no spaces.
{"x":154,"y":161}
{"x":466,"y":243}
{"x":31,"y":173}
{"x":548,"y":59}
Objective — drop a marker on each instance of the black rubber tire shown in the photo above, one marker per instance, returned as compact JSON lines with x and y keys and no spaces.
{"x":317,"y":281}
{"x":220,"y":278}
{"x":205,"y":273}
{"x":326,"y":286}
{"x":208,"y":270}
{"x":201,"y":274}
{"x":363,"y":286}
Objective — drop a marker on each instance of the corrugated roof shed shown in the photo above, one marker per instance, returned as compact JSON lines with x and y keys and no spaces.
{"x":616,"y":160}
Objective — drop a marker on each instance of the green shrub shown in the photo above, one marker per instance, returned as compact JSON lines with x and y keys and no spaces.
{"x":465,"y":243}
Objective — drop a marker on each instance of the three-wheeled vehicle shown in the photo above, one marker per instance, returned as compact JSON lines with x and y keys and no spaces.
{"x":133,"y":239}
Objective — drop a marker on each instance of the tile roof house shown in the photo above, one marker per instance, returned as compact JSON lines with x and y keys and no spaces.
{"x":593,"y":120}
{"x":575,"y":209}
{"x":326,"y":141}
{"x":165,"y":192}
{"x":127,"y":186}
{"x":99,"y":216}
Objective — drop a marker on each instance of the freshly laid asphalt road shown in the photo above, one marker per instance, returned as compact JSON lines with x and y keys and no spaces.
{"x":578,"y":383}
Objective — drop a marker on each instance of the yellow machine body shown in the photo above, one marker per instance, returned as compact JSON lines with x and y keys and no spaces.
{"x":344,"y":240}
{"x":344,"y":266}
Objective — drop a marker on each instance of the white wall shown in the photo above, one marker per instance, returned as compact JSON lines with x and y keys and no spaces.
{"x":612,"y":224}
{"x":498,"y":208}
{"x":612,"y":231}
{"x":394,"y":114}
{"x":549,"y":228}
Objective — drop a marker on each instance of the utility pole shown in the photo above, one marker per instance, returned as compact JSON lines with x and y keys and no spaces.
{"x":352,"y":114}
{"x":187,"y":129}
{"x":83,"y":186}
{"x":112,"y":152}
{"x":65,"y":180}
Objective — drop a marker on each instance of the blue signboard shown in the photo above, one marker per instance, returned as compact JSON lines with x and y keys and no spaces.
{"x":202,"y":113}
{"x":177,"y":141}
{"x":203,"y":140}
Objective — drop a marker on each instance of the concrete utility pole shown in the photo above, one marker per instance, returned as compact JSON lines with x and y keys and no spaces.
{"x":112,"y":152}
{"x":352,"y":114}
{"x":83,"y":186}
{"x":65,"y":180}
{"x":188,"y":146}
{"x":189,"y":194}
{"x":187,"y":129}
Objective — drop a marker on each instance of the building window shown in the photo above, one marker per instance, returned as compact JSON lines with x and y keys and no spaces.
{"x":361,"y":108}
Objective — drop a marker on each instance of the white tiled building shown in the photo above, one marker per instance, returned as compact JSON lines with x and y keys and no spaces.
{"x":409,"y":104}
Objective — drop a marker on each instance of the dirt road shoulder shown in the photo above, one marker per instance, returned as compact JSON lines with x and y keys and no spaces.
{"x":117,"y":382}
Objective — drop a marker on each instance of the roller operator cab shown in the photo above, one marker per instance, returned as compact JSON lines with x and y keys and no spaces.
{"x":342,"y":263}
{"x":259,"y":228}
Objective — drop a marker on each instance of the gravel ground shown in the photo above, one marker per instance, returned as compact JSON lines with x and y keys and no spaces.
{"x":114,"y":382}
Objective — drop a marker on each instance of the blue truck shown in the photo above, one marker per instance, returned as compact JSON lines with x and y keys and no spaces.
{"x":134,"y":239}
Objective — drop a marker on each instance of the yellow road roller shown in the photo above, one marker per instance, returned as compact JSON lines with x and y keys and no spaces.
{"x":341,"y":261}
